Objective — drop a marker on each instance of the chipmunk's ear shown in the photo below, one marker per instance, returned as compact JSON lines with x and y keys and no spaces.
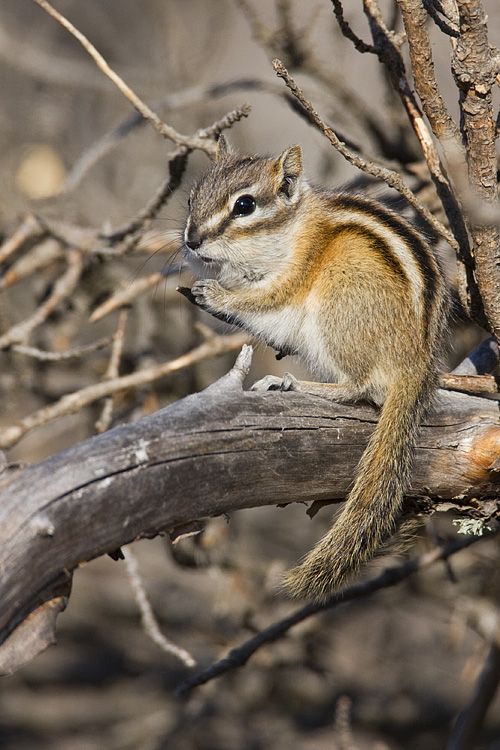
{"x":223,"y":148}
{"x":289,"y":170}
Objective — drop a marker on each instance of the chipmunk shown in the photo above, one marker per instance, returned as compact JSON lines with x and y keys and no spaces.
{"x":353,"y":289}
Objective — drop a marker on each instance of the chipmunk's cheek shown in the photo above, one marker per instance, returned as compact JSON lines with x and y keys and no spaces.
{"x":208,"y":294}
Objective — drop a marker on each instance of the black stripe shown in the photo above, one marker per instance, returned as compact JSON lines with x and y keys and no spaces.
{"x":419,"y":248}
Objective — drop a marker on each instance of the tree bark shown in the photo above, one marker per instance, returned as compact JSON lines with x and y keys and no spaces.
{"x":212,"y":453}
{"x":475,"y":66}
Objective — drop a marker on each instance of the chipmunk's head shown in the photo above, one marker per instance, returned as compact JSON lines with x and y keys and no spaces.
{"x":237,"y":211}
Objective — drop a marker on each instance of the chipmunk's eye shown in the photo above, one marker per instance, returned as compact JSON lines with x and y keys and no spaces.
{"x":244,"y":205}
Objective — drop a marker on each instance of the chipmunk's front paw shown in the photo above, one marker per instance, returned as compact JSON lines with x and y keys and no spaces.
{"x":274,"y":383}
{"x":268,"y":383}
{"x":208,"y":294}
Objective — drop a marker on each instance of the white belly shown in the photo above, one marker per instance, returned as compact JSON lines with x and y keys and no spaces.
{"x":294,"y":330}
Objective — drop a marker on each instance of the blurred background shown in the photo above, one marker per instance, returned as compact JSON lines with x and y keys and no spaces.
{"x":74,"y":156}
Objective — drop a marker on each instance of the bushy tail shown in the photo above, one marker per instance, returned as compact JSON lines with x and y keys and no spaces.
{"x":369,"y":515}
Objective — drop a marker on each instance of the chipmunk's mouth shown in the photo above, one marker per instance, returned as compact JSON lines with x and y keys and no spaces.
{"x":195,"y":255}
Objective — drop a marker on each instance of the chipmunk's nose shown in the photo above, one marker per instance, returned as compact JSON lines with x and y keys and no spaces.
{"x":193,"y":240}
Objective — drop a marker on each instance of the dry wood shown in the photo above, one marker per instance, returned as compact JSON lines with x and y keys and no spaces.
{"x":475,"y":65}
{"x":212,"y":453}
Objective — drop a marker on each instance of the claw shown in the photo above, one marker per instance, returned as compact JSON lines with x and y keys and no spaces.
{"x":290,"y":383}
{"x":268,"y":383}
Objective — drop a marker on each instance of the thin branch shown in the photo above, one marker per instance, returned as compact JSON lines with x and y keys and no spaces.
{"x":346,"y":30}
{"x":28,"y":230}
{"x":239,"y":656}
{"x":467,"y":728}
{"x":176,"y":165}
{"x":42,"y":255}
{"x":177,"y":161}
{"x":298,"y":55}
{"x":63,"y":287}
{"x":127,"y":295}
{"x":389,"y":53}
{"x":469,"y":383}
{"x":76,"y":353}
{"x":149,"y":621}
{"x":389,"y":176}
{"x":113,"y":369}
{"x":446,"y":131}
{"x":87,"y":240}
{"x":199,"y":141}
{"x":73,"y":402}
{"x":192,"y":95}
{"x":446,"y":27}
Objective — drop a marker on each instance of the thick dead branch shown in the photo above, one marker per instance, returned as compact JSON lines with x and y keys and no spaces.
{"x":475,"y":66}
{"x":415,"y":20}
{"x":212,"y":453}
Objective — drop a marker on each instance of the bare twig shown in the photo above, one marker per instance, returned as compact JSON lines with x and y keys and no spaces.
{"x":63,"y":287}
{"x":42,"y":255}
{"x":342,"y":726}
{"x":149,"y":621}
{"x":389,"y":53}
{"x":359,"y":44}
{"x":446,"y":130}
{"x":191,"y":142}
{"x":238,"y":657}
{"x":112,"y":372}
{"x":73,"y":402}
{"x":189,"y":96}
{"x":76,"y":353}
{"x":126,"y":296}
{"x":292,"y":48}
{"x":445,"y":26}
{"x":392,"y":178}
{"x":29,"y":229}
{"x":390,"y":56}
{"x":87,"y":240}
{"x":469,"y":383}
{"x":467,"y":728}
{"x":176,"y":165}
